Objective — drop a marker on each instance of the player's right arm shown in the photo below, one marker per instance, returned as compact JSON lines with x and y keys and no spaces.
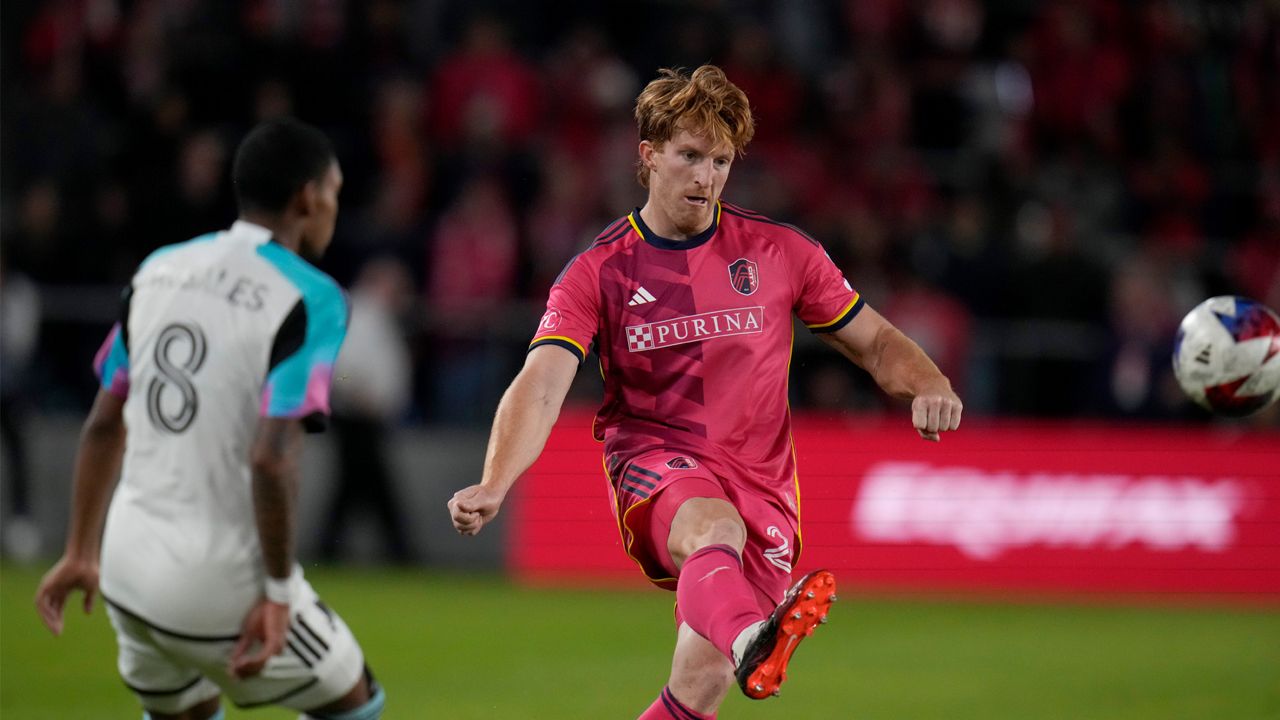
{"x":523,"y":423}
{"x":97,"y":465}
{"x":530,"y":406}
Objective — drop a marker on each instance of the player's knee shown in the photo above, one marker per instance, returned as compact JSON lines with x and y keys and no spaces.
{"x":724,"y":530}
{"x":370,"y":710}
{"x":711,"y":522}
{"x":207,"y":710}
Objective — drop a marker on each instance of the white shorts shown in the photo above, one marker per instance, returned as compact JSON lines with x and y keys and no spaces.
{"x":170,"y":671}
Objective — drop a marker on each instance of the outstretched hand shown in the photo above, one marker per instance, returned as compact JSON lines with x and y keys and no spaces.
{"x":262,"y":636}
{"x":934,"y":413}
{"x":69,"y":574}
{"x":472,"y":508}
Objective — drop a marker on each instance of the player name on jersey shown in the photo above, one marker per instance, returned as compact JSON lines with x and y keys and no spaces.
{"x":694,"y":328}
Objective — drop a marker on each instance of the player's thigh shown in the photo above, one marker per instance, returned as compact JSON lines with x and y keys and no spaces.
{"x":648,"y":491}
{"x":702,"y":521}
{"x":164,"y":685}
{"x":689,"y":512}
{"x":321,"y":662}
{"x":771,"y":548}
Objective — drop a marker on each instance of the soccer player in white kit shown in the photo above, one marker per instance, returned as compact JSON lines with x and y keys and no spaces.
{"x":222,"y":359}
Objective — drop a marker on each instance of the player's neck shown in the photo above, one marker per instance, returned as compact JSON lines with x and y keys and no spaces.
{"x":282,"y":231}
{"x":660,"y":223}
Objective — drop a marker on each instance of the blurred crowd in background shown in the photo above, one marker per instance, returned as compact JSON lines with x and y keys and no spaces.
{"x":1034,"y":191}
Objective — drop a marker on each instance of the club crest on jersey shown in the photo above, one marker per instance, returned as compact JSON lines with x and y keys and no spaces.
{"x":550,"y":320}
{"x":681,"y":462}
{"x":695,"y":328}
{"x":744,"y":276}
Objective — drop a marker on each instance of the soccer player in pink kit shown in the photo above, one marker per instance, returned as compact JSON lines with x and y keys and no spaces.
{"x":688,"y":303}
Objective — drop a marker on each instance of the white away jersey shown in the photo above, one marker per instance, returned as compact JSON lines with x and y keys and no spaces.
{"x":216,"y":332}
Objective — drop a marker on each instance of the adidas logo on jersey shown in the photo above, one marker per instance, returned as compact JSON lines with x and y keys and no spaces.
{"x":641,"y":297}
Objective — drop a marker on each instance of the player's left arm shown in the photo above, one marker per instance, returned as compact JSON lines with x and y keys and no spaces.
{"x":274,"y":459}
{"x":97,"y":465}
{"x":296,"y":400}
{"x":901,"y":369}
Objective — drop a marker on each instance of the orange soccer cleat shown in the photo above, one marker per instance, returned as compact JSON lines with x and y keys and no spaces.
{"x":764,"y":661}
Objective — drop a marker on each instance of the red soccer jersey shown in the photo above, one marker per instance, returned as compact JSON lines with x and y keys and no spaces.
{"x":694,"y":339}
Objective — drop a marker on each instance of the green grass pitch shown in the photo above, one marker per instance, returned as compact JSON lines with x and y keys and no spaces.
{"x":460,"y":647}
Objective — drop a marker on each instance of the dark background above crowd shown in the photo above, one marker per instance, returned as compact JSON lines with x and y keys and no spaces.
{"x":1034,"y":191}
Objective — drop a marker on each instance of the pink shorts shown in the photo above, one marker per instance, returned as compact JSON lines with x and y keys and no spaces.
{"x":654,"y":485}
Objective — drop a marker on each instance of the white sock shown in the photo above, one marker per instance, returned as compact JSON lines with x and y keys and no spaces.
{"x":744,"y":639}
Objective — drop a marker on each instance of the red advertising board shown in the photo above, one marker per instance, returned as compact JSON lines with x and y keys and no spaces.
{"x":1000,"y":506}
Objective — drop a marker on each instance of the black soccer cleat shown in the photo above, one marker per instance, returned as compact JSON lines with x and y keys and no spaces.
{"x":764,"y":662}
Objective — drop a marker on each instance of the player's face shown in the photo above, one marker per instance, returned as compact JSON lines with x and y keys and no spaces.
{"x":686,"y":175}
{"x":318,"y":231}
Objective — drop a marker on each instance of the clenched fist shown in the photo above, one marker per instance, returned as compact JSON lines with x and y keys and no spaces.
{"x":472,"y":508}
{"x":933,"y":413}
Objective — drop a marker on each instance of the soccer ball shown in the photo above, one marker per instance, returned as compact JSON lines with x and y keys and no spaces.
{"x":1227,"y":355}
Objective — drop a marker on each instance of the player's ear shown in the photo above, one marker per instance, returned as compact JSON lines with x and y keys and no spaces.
{"x":647,"y":151}
{"x":308,"y":198}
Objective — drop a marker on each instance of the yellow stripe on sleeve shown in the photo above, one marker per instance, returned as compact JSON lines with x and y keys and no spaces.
{"x":569,"y":340}
{"x":839,"y":316}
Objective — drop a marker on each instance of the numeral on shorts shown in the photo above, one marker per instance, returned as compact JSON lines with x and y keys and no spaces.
{"x":780,"y":555}
{"x":180,"y":351}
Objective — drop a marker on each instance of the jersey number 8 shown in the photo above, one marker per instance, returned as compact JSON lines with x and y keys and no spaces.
{"x":175,"y":373}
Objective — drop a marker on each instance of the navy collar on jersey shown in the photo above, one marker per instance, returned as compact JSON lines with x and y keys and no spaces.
{"x":658,"y":241}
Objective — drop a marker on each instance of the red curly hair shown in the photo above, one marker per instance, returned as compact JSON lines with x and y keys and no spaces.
{"x":705,"y":103}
